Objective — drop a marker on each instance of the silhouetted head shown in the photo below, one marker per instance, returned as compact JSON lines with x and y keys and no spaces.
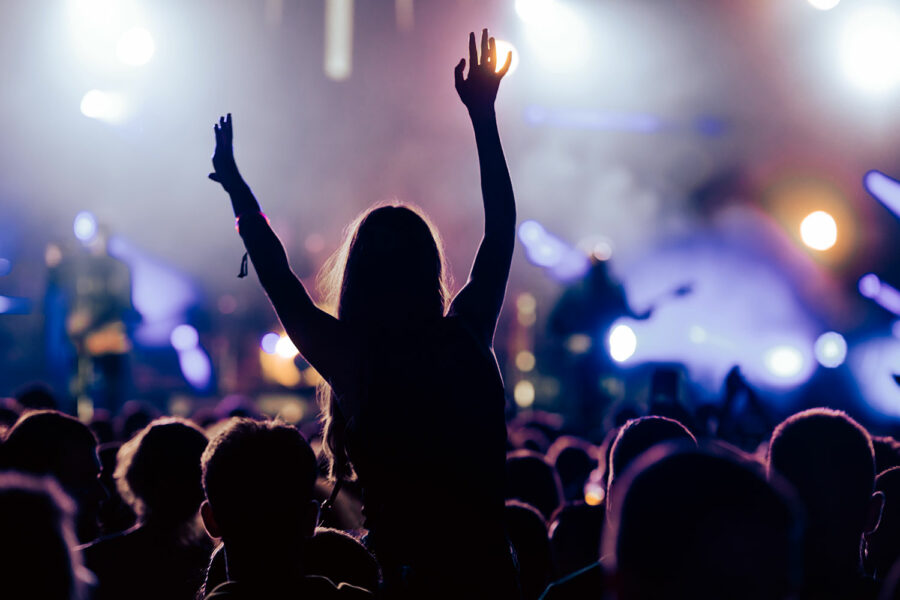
{"x":526,"y":529}
{"x":258,"y":477}
{"x":690,"y":523}
{"x":390,"y":268}
{"x":828,"y":458}
{"x":639,"y":435}
{"x":158,"y":471}
{"x":533,"y":480}
{"x":574,"y":460}
{"x":342,"y":558}
{"x":883,"y":544}
{"x":38,"y":540}
{"x":387,"y":277}
{"x":887,"y":453}
{"x":36,"y":396}
{"x":47,"y":442}
{"x":575,"y":531}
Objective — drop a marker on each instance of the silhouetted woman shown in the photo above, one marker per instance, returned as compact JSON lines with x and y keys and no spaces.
{"x":415,"y":401}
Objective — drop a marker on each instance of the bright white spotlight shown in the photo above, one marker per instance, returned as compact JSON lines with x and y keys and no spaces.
{"x":285,"y":348}
{"x":184,"y":337}
{"x":784,"y":362}
{"x":622,"y":343}
{"x":269,"y":342}
{"x":85,"y":226}
{"x":135,"y":47}
{"x":104,"y":106}
{"x":534,"y":11}
{"x":831,"y":349}
{"x":503,"y":48}
{"x":824,"y":4}
{"x":819,"y":230}
{"x":869,"y":48}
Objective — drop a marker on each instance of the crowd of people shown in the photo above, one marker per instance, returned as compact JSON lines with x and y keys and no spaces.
{"x":417,"y":484}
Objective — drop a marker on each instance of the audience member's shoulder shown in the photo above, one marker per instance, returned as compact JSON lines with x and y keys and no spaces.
{"x":586,"y":583}
{"x":312,"y":588}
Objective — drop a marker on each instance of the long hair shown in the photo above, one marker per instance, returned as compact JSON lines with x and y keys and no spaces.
{"x":388,"y":274}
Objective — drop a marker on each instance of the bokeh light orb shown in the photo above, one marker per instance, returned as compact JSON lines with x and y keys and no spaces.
{"x":622,"y":343}
{"x":819,"y":230}
{"x":869,"y":48}
{"x":285,"y":348}
{"x":184,"y":337}
{"x":85,"y":226}
{"x":535,"y":11}
{"x":269,"y":342}
{"x":136,"y":47}
{"x":784,"y":362}
{"x":103,"y":106}
{"x":869,"y":285}
{"x":824,"y":4}
{"x":523,"y":394}
{"x":831,"y":349}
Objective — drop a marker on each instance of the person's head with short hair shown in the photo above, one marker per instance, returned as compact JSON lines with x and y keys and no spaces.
{"x":829,"y":459}
{"x":526,"y":529}
{"x":158,"y":471}
{"x":574,"y":460}
{"x":639,"y":435}
{"x":47,"y":442}
{"x":698,"y":523}
{"x":531,"y":479}
{"x":36,"y":396}
{"x":258,"y":477}
{"x":342,"y":558}
{"x":882,"y":546}
{"x":38,"y":537}
{"x":575,"y":531}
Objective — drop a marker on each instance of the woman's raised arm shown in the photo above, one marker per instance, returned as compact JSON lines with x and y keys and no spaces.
{"x":316,"y":334}
{"x":480,"y":301}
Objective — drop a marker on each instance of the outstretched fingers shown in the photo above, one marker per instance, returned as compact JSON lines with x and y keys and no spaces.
{"x":458,"y":73}
{"x":473,"y":52}
{"x":506,"y":65}
{"x":485,"y":52}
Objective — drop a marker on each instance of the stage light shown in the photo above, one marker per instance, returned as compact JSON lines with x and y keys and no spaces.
{"x":869,"y":48}
{"x":338,"y":39}
{"x":535,"y":11}
{"x":526,"y":303}
{"x":824,"y":4}
{"x":85,"y":226}
{"x":523,"y":394}
{"x":135,"y":47}
{"x":5,"y":304}
{"x":184,"y":337}
{"x":103,"y":106}
{"x":885,"y":189}
{"x":831,"y":349}
{"x":819,"y":230}
{"x":869,"y":285}
{"x":269,"y":342}
{"x":195,"y":367}
{"x":784,"y":362}
{"x":503,"y":48}
{"x":622,"y":343}
{"x":285,"y":348}
{"x":525,"y":361}
{"x":5,"y":266}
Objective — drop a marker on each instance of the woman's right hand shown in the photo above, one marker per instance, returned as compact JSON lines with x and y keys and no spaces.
{"x":226,"y":171}
{"x":479,"y":90}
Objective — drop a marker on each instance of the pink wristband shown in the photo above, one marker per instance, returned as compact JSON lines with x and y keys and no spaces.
{"x":237,"y":220}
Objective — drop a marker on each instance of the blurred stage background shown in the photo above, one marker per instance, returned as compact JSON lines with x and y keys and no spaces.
{"x":685,"y":142}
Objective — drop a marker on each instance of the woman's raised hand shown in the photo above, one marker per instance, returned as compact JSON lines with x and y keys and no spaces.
{"x":479,"y":90}
{"x":226,"y":171}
